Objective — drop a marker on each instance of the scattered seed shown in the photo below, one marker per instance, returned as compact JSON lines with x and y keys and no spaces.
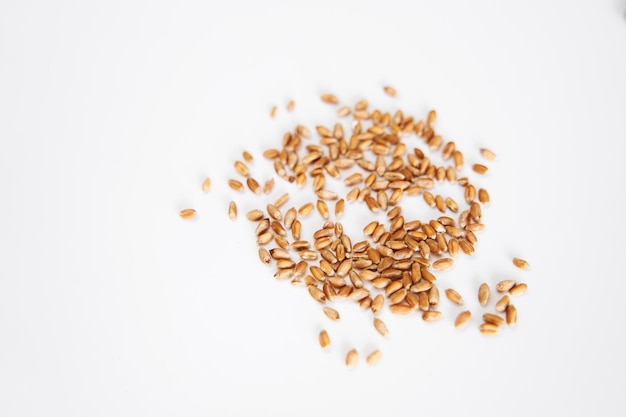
{"x":242,"y":168}
{"x":483,"y":294}
{"x":502,"y":304}
{"x":274,"y":212}
{"x":519,"y":289}
{"x":352,"y":358}
{"x":253,"y":185}
{"x":442,"y":264}
{"x":504,"y":286}
{"x":206,"y":184}
{"x":520,"y":263}
{"x":489,"y":329}
{"x":329,"y":98}
{"x":322,"y":208}
{"x":331,"y":313}
{"x":188,"y":214}
{"x":493,"y":319}
{"x":462,"y":319}
{"x":480,"y":169}
{"x":290,"y":105}
{"x":374,"y":357}
{"x":380,"y":327}
{"x":511,"y":315}
{"x":483,"y":196}
{"x":390,"y":91}
{"x":324,"y":339}
{"x":273,"y":111}
{"x":268,"y":186}
{"x":264,"y":255}
{"x":232,"y":210}
{"x":431,"y":315}
{"x":235,"y":185}
{"x":487,"y":154}
{"x":454,"y":296}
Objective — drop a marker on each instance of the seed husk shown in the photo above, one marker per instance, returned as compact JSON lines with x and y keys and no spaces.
{"x":188,"y":214}
{"x":324,"y":339}
{"x":493,"y":319}
{"x":454,"y":296}
{"x":488,"y":154}
{"x":519,"y":289}
{"x":520,"y":263}
{"x":504,"y":286}
{"x":483,"y":294}
{"x":374,"y":357}
{"x":206,"y":185}
{"x":431,"y":315}
{"x":232,"y":210}
{"x":442,"y":264}
{"x":462,"y":319}
{"x":380,"y":327}
{"x":511,"y":315}
{"x":352,"y":357}
{"x":480,"y":169}
{"x":235,"y":185}
{"x":331,"y":313}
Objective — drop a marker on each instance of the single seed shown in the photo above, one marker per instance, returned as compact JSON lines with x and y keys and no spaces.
{"x":253,"y":185}
{"x":374,"y":357}
{"x":324,"y":339}
{"x":242,"y":168}
{"x":502,"y":304}
{"x":377,"y":302}
{"x":352,"y":358}
{"x":264,"y":255}
{"x":483,"y":196}
{"x":343,"y":111}
{"x":493,"y":319}
{"x":511,"y":315}
{"x":322,"y":208}
{"x":317,"y":294}
{"x":339,"y":206}
{"x":480,"y":169}
{"x":520,"y":263}
{"x":442,"y":264}
{"x":431,"y":315}
{"x":504,"y":286}
{"x":281,"y":200}
{"x":329,"y":98}
{"x":235,"y":185}
{"x":483,"y":294}
{"x":462,"y":319}
{"x":401,"y":309}
{"x":268,"y":186}
{"x":255,"y":215}
{"x":487,"y":154}
{"x":273,"y":111}
{"x":206,"y":184}
{"x":188,"y":214}
{"x":273,"y":211}
{"x":305,"y":209}
{"x":519,"y":289}
{"x":454,"y":296}
{"x":489,"y":329}
{"x":247,"y":156}
{"x":380,"y":327}
{"x":331,"y":313}
{"x":232,"y":210}
{"x":390,"y":91}
{"x":290,"y":105}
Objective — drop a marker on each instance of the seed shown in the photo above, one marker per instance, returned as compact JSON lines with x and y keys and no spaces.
{"x":451,"y":204}
{"x":483,"y":294}
{"x":462,"y":319}
{"x":273,"y":211}
{"x":247,"y":156}
{"x":431,"y":315}
{"x":329,"y":98}
{"x":331,"y":313}
{"x":264,"y":255}
{"x":433,"y":296}
{"x":511,"y":315}
{"x":483,"y":196}
{"x":322,"y":208}
{"x":235,"y":185}
{"x":253,"y":185}
{"x":489,"y":329}
{"x":232,"y":210}
{"x":343,"y":111}
{"x":401,"y":309}
{"x":429,"y":199}
{"x":519,"y":289}
{"x":380,"y":327}
{"x":480,"y":169}
{"x":290,"y":105}
{"x":374,"y":357}
{"x":504,"y":286}
{"x":454,"y":296}
{"x":206,"y":184}
{"x":268,"y":186}
{"x":487,"y":154}
{"x":502,"y":304}
{"x":273,"y":111}
{"x":390,"y":91}
{"x":493,"y":319}
{"x":442,"y":264}
{"x":377,"y":303}
{"x":188,"y":214}
{"x":281,"y":200}
{"x":255,"y":215}
{"x":285,"y":264}
{"x":242,"y":168}
{"x":324,"y":339}
{"x":359,"y":294}
{"x":520,"y":263}
{"x":284,"y":273}
{"x":352,"y":358}
{"x":317,"y":294}
{"x":339,"y":206}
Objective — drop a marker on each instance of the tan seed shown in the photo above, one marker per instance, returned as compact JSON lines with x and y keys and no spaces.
{"x":317,"y":294}
{"x":235,"y":185}
{"x":401,"y":309}
{"x":232,"y":210}
{"x":290,"y":105}
{"x":483,"y":294}
{"x":324,"y":339}
{"x":519,"y":289}
{"x":343,"y":111}
{"x":329,"y":98}
{"x":273,"y":111}
{"x":268,"y":186}
{"x":431,"y":315}
{"x":462,"y":319}
{"x":487,"y":154}
{"x":483,"y":196}
{"x":377,"y":303}
{"x":520,"y":263}
{"x":322,"y":208}
{"x":264,"y":256}
{"x":502,"y":304}
{"x":454,"y":296}
{"x":247,"y":156}
{"x":489,"y":329}
{"x":442,"y":264}
{"x":206,"y":184}
{"x":339,"y":207}
{"x":390,"y":91}
{"x":331,"y":313}
{"x":242,"y":168}
{"x":374,"y":357}
{"x":493,"y":319}
{"x":187,"y":214}
{"x":273,"y":211}
{"x":281,"y":200}
{"x":306,"y":209}
{"x":480,"y":169}
{"x":255,"y":215}
{"x":253,"y":185}
{"x":511,"y":315}
{"x":380,"y":327}
{"x":504,"y":286}
{"x":352,"y":358}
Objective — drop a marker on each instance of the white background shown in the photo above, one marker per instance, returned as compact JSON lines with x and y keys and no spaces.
{"x":111,"y":114}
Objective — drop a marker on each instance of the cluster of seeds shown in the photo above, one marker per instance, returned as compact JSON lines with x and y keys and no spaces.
{"x":393,"y":264}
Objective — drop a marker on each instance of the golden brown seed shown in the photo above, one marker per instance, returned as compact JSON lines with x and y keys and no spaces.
{"x":462,"y":319}
{"x":268,"y":186}
{"x":281,"y":200}
{"x":442,"y":264}
{"x":343,"y":111}
{"x":487,"y":154}
{"x":483,"y":294}
{"x":480,"y":169}
{"x":331,"y":313}
{"x":247,"y":156}
{"x":483,"y":196}
{"x":317,"y":294}
{"x":502,"y":304}
{"x":290,"y":105}
{"x":401,"y":309}
{"x":454,"y":296}
{"x":255,"y":215}
{"x":235,"y":185}
{"x":489,"y":329}
{"x":520,"y":263}
{"x":271,"y":153}
{"x":451,"y":204}
{"x":273,"y":211}
{"x":431,"y":315}
{"x":374,"y":357}
{"x":329,"y":98}
{"x":242,"y":168}
{"x":324,"y":339}
{"x":352,"y":358}
{"x":232,"y":210}
{"x":493,"y":319}
{"x":432,"y":116}
{"x":264,"y":255}
{"x":433,"y":296}
{"x":429,"y":199}
{"x":377,"y":303}
{"x":504,"y":286}
{"x":519,"y":289}
{"x":206,"y":184}
{"x":305,"y":209}
{"x":322,"y":208}
{"x":380,"y":327}
{"x":390,"y":91}
{"x":339,"y":206}
{"x":253,"y":185}
{"x":511,"y":315}
{"x":187,"y":214}
{"x":273,"y":111}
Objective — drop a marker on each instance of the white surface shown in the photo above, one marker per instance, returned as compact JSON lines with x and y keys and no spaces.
{"x":112,"y":113}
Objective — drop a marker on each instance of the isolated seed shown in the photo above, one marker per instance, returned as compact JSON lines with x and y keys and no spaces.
{"x":487,"y":154}
{"x":322,"y":208}
{"x":480,"y":169}
{"x":511,"y":315}
{"x":331,"y":313}
{"x":343,"y":111}
{"x":253,"y":185}
{"x":390,"y":91}
{"x":232,"y":210}
{"x":401,"y":309}
{"x":377,"y":303}
{"x":235,"y":185}
{"x":462,"y":319}
{"x":305,"y":210}
{"x":206,"y":184}
{"x":374,"y":357}
{"x":502,"y":304}
{"x":520,"y":263}
{"x":454,"y":296}
{"x":519,"y":289}
{"x":290,"y":105}
{"x":268,"y":186}
{"x":489,"y":329}
{"x":483,"y":294}
{"x":188,"y":214}
{"x":380,"y":327}
{"x":352,"y":358}
{"x":483,"y":196}
{"x":504,"y":286}
{"x":324,"y":339}
{"x":329,"y":98}
{"x":242,"y":168}
{"x":317,"y":294}
{"x":281,"y":200}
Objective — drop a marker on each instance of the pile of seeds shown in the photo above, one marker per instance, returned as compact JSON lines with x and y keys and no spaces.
{"x":394,"y":263}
